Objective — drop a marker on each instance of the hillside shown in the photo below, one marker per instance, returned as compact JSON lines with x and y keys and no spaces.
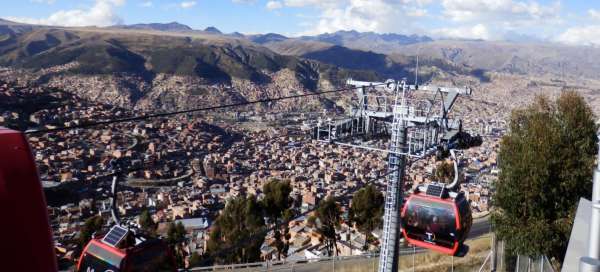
{"x":520,"y":58}
{"x":162,"y":66}
{"x":368,"y":40}
{"x":395,"y":66}
{"x":173,"y":26}
{"x":158,"y":69}
{"x":516,"y":58}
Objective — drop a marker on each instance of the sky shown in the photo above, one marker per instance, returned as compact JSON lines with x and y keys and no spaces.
{"x":572,"y":22}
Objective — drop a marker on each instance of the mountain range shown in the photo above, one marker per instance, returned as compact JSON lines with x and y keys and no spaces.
{"x":518,"y":54}
{"x":138,"y":60}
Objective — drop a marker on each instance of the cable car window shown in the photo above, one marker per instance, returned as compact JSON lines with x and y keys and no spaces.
{"x":431,"y":221}
{"x":99,"y":259}
{"x":155,"y":258}
{"x":92,"y":263}
{"x":466,"y":217}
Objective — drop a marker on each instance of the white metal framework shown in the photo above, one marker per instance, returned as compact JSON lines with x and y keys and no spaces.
{"x":413,"y":124}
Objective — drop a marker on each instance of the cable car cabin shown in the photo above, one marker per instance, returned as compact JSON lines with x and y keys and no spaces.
{"x":437,"y":219}
{"x":26,"y":242}
{"x":119,"y":250}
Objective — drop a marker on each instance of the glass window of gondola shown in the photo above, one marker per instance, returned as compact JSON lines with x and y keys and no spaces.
{"x":99,"y":259}
{"x":430,"y":221}
{"x":152,"y":258}
{"x":466,"y":218}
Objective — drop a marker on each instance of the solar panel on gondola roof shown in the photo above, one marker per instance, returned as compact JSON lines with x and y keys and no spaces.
{"x":115,"y":235}
{"x":434,"y":190}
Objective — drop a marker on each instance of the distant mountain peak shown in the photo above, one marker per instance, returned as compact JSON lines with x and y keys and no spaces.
{"x":269,"y":37}
{"x":172,"y":26}
{"x":212,"y":29}
{"x":237,"y":34}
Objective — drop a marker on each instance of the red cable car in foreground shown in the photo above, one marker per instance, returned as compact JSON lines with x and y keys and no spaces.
{"x":120,"y":250}
{"x":437,"y":219}
{"x":26,"y":242}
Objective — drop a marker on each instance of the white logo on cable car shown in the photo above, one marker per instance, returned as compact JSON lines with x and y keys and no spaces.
{"x":430,"y":236}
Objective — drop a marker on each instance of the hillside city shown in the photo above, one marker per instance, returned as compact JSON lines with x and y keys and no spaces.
{"x":187,"y":168}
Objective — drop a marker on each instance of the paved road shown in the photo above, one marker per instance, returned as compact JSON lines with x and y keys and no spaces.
{"x":481,"y":226}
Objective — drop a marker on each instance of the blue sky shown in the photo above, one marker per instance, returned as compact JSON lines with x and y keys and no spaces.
{"x":576,"y":22}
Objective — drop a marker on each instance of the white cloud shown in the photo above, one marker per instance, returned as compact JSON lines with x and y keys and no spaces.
{"x":361,"y":15}
{"x":417,"y":12}
{"x":584,"y":35}
{"x":595,"y":14}
{"x":187,"y":4}
{"x":492,"y":19}
{"x":499,"y":10}
{"x":146,"y":4}
{"x":102,"y":13}
{"x":271,"y":5}
{"x":478,"y":31}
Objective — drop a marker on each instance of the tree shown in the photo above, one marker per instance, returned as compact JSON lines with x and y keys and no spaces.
{"x":238,"y":233}
{"x":176,"y":238}
{"x":175,"y":233}
{"x":328,"y":216}
{"x":547,"y":160}
{"x":445,"y":171}
{"x":367,"y":210}
{"x":195,"y":260}
{"x":90,"y":226}
{"x":147,"y":223}
{"x":276,"y":204}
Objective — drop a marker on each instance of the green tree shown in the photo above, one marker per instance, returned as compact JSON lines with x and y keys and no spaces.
{"x":276,"y":204}
{"x":311,"y":221}
{"x":195,"y":260}
{"x":147,"y":223}
{"x":238,"y":233}
{"x":329,"y":218}
{"x":367,"y":210}
{"x":90,"y":226}
{"x":547,"y":160}
{"x":176,"y":239}
{"x":175,"y":233}
{"x":444,"y":172}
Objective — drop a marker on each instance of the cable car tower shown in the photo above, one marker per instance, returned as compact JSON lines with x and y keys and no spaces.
{"x":413,"y":123}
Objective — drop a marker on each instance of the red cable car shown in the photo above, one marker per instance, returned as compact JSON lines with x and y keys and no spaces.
{"x":26,"y":243}
{"x":120,"y":250}
{"x":437,"y":219}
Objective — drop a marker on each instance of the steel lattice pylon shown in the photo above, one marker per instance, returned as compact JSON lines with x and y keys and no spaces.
{"x":388,"y":260}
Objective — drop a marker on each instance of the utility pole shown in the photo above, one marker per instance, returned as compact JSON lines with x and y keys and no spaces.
{"x":417,"y":67}
{"x":494,"y":261}
{"x":591,"y":262}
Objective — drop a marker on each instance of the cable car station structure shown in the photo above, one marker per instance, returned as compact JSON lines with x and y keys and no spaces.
{"x":417,"y":125}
